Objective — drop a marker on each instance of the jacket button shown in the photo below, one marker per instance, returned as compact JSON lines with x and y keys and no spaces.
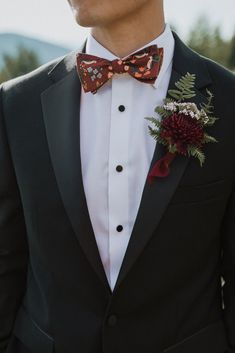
{"x":112,"y":320}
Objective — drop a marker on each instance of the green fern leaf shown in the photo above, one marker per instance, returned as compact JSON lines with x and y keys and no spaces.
{"x":154,"y":121}
{"x":185,"y":88}
{"x":208,"y":138}
{"x":174,"y":95}
{"x":197,"y":153}
{"x":211,"y":121}
{"x":208,"y":107}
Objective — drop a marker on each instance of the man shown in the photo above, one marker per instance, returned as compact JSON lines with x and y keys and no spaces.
{"x":93,"y":257}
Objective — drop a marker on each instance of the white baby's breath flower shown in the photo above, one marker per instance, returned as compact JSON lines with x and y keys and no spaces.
{"x":187,"y":108}
{"x":170,"y":106}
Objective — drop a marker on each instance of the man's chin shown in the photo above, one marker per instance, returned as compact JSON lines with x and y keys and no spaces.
{"x":84,"y":21}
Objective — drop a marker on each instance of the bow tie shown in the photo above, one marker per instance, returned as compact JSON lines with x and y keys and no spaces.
{"x":143,"y":65}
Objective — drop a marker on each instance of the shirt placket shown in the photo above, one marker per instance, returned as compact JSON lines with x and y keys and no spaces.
{"x":118,"y":192}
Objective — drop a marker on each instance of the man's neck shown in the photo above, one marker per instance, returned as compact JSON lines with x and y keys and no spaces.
{"x":131,"y":33}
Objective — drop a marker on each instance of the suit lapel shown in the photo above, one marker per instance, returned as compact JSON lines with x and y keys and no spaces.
{"x":61,"y":108}
{"x":156,"y":196}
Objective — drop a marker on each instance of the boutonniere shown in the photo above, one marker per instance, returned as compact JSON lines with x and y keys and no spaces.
{"x":181,"y":127}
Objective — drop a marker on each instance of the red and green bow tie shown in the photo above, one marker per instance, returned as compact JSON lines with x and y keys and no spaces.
{"x":143,"y":65}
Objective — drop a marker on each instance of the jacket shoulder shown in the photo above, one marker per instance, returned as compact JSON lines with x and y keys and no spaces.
{"x":220,"y":75}
{"x":208,"y":72}
{"x":33,"y":82}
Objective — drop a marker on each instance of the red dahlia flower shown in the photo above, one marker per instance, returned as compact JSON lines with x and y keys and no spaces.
{"x":182,"y":131}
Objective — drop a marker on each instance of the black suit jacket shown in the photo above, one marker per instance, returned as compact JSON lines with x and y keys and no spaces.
{"x":54,"y":296}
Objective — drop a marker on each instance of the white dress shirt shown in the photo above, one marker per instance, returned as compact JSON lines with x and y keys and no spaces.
{"x":116,"y":150}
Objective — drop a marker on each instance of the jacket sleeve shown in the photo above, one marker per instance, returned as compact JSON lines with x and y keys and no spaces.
{"x":228,"y":271}
{"x":13,"y":244}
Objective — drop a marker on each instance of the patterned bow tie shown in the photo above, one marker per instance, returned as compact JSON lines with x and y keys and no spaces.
{"x":143,"y":65}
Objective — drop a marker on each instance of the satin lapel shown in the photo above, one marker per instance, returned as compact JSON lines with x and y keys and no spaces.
{"x":61,"y":109}
{"x":156,"y":196}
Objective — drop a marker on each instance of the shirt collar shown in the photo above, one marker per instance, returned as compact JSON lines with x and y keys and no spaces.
{"x":165,"y":40}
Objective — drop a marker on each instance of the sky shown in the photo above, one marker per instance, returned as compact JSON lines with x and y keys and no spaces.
{"x":52,"y":20}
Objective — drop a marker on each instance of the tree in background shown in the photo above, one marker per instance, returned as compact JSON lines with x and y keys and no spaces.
{"x":24,"y":62}
{"x":231,"y":60}
{"x":207,"y":41}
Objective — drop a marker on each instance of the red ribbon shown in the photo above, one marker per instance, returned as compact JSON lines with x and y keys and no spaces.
{"x":161,"y":168}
